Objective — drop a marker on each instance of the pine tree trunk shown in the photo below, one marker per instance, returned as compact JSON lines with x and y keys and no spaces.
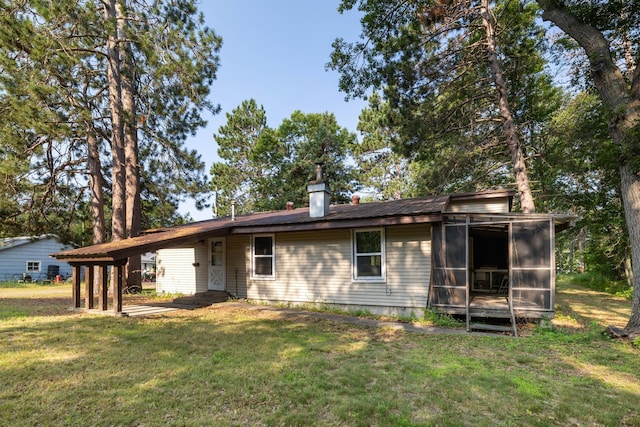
{"x":96,"y":201}
{"x":133,"y":203}
{"x":118,"y":177}
{"x":95,"y":187}
{"x":513,"y":143}
{"x":118,"y":224}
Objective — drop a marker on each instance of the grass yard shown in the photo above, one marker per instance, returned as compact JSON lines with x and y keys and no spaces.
{"x":234,"y":366}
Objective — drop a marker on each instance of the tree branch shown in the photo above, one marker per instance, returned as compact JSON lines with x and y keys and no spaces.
{"x":607,"y":76}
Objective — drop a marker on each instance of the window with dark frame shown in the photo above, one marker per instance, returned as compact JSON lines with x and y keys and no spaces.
{"x":263,"y":256}
{"x":368,"y":254}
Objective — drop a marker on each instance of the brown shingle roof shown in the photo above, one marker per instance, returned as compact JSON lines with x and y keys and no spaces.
{"x":418,"y":210}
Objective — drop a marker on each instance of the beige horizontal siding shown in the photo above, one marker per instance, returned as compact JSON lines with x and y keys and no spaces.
{"x":310,"y":267}
{"x":238,"y":259}
{"x":175,"y":272}
{"x":479,"y":206}
{"x":409,"y":263}
{"x":202,"y":267}
{"x":316,"y":267}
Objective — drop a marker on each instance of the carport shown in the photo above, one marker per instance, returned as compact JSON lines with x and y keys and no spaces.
{"x":98,"y":258}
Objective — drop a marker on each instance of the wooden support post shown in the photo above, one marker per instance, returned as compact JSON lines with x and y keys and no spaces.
{"x":88,"y":301}
{"x":75,"y":281}
{"x":117,"y":291}
{"x":104,"y":277}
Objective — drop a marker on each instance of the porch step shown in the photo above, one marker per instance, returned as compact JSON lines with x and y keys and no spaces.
{"x":482,"y":315}
{"x":494,"y":313}
{"x":490,"y":327}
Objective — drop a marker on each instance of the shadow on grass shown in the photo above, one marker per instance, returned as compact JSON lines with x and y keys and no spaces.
{"x":578,"y":307}
{"x":26,"y":307}
{"x":231,"y":366}
{"x":57,"y":301}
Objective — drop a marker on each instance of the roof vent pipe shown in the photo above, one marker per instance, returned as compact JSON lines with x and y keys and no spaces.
{"x":319,"y":195}
{"x":319,"y":171}
{"x":233,"y":210}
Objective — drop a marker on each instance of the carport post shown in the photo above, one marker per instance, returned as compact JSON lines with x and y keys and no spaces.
{"x":88,"y":302}
{"x":75,"y":281}
{"x":102,"y":271}
{"x":117,"y":291}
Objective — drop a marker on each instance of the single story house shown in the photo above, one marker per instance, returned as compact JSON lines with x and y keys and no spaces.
{"x":27,"y":258}
{"x":397,"y":257}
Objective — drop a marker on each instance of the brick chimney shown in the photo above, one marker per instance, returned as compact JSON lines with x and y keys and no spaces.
{"x":355,"y":199}
{"x":319,"y":195}
{"x":289,"y":206}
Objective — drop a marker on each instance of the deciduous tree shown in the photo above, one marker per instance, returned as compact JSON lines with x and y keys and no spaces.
{"x":609,"y":35}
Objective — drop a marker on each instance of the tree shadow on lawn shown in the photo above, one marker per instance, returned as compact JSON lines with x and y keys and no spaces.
{"x":578,"y":307}
{"x":27,"y":307}
{"x":58,"y":301}
{"x":238,"y":366}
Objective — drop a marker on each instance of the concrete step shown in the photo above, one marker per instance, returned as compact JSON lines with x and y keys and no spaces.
{"x":203,"y":299}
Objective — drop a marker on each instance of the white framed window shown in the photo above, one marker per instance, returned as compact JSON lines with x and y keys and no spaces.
{"x":368,"y":254}
{"x":33,"y":266}
{"x":263,"y":264}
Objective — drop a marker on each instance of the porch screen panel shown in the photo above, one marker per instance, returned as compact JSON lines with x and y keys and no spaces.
{"x":450,"y":274}
{"x":531,"y":244}
{"x":532,"y":265}
{"x":448,"y":245}
{"x":436,"y":246}
{"x":456,"y":246}
{"x":438,"y":274}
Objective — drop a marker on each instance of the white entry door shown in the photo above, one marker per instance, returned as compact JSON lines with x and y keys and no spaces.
{"x":217,"y":264}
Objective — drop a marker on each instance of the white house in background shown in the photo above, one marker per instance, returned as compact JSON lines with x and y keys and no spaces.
{"x":27,"y":257}
{"x":148,"y":261}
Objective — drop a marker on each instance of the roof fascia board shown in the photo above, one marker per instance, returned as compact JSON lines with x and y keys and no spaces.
{"x":228,"y":229}
{"x":100,"y":260}
{"x":154,"y":246}
{"x":329,"y":225}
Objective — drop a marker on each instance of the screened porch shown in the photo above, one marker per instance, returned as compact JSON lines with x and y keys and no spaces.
{"x":480,"y":258}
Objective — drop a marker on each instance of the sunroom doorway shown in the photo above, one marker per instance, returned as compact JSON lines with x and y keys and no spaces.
{"x":489,"y":259}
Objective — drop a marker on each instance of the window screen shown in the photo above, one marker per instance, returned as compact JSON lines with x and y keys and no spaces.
{"x":368,"y":254}
{"x":263,"y":257}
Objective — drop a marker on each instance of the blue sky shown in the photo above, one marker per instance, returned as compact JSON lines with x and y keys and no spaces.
{"x":275,"y":52}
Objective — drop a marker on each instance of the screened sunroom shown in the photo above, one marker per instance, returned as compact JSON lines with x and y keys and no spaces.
{"x":482,"y":261}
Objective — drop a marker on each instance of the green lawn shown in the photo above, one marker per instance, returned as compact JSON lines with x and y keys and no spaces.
{"x":232,"y":366}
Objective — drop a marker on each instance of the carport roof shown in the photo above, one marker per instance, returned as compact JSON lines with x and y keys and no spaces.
{"x":404,"y":211}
